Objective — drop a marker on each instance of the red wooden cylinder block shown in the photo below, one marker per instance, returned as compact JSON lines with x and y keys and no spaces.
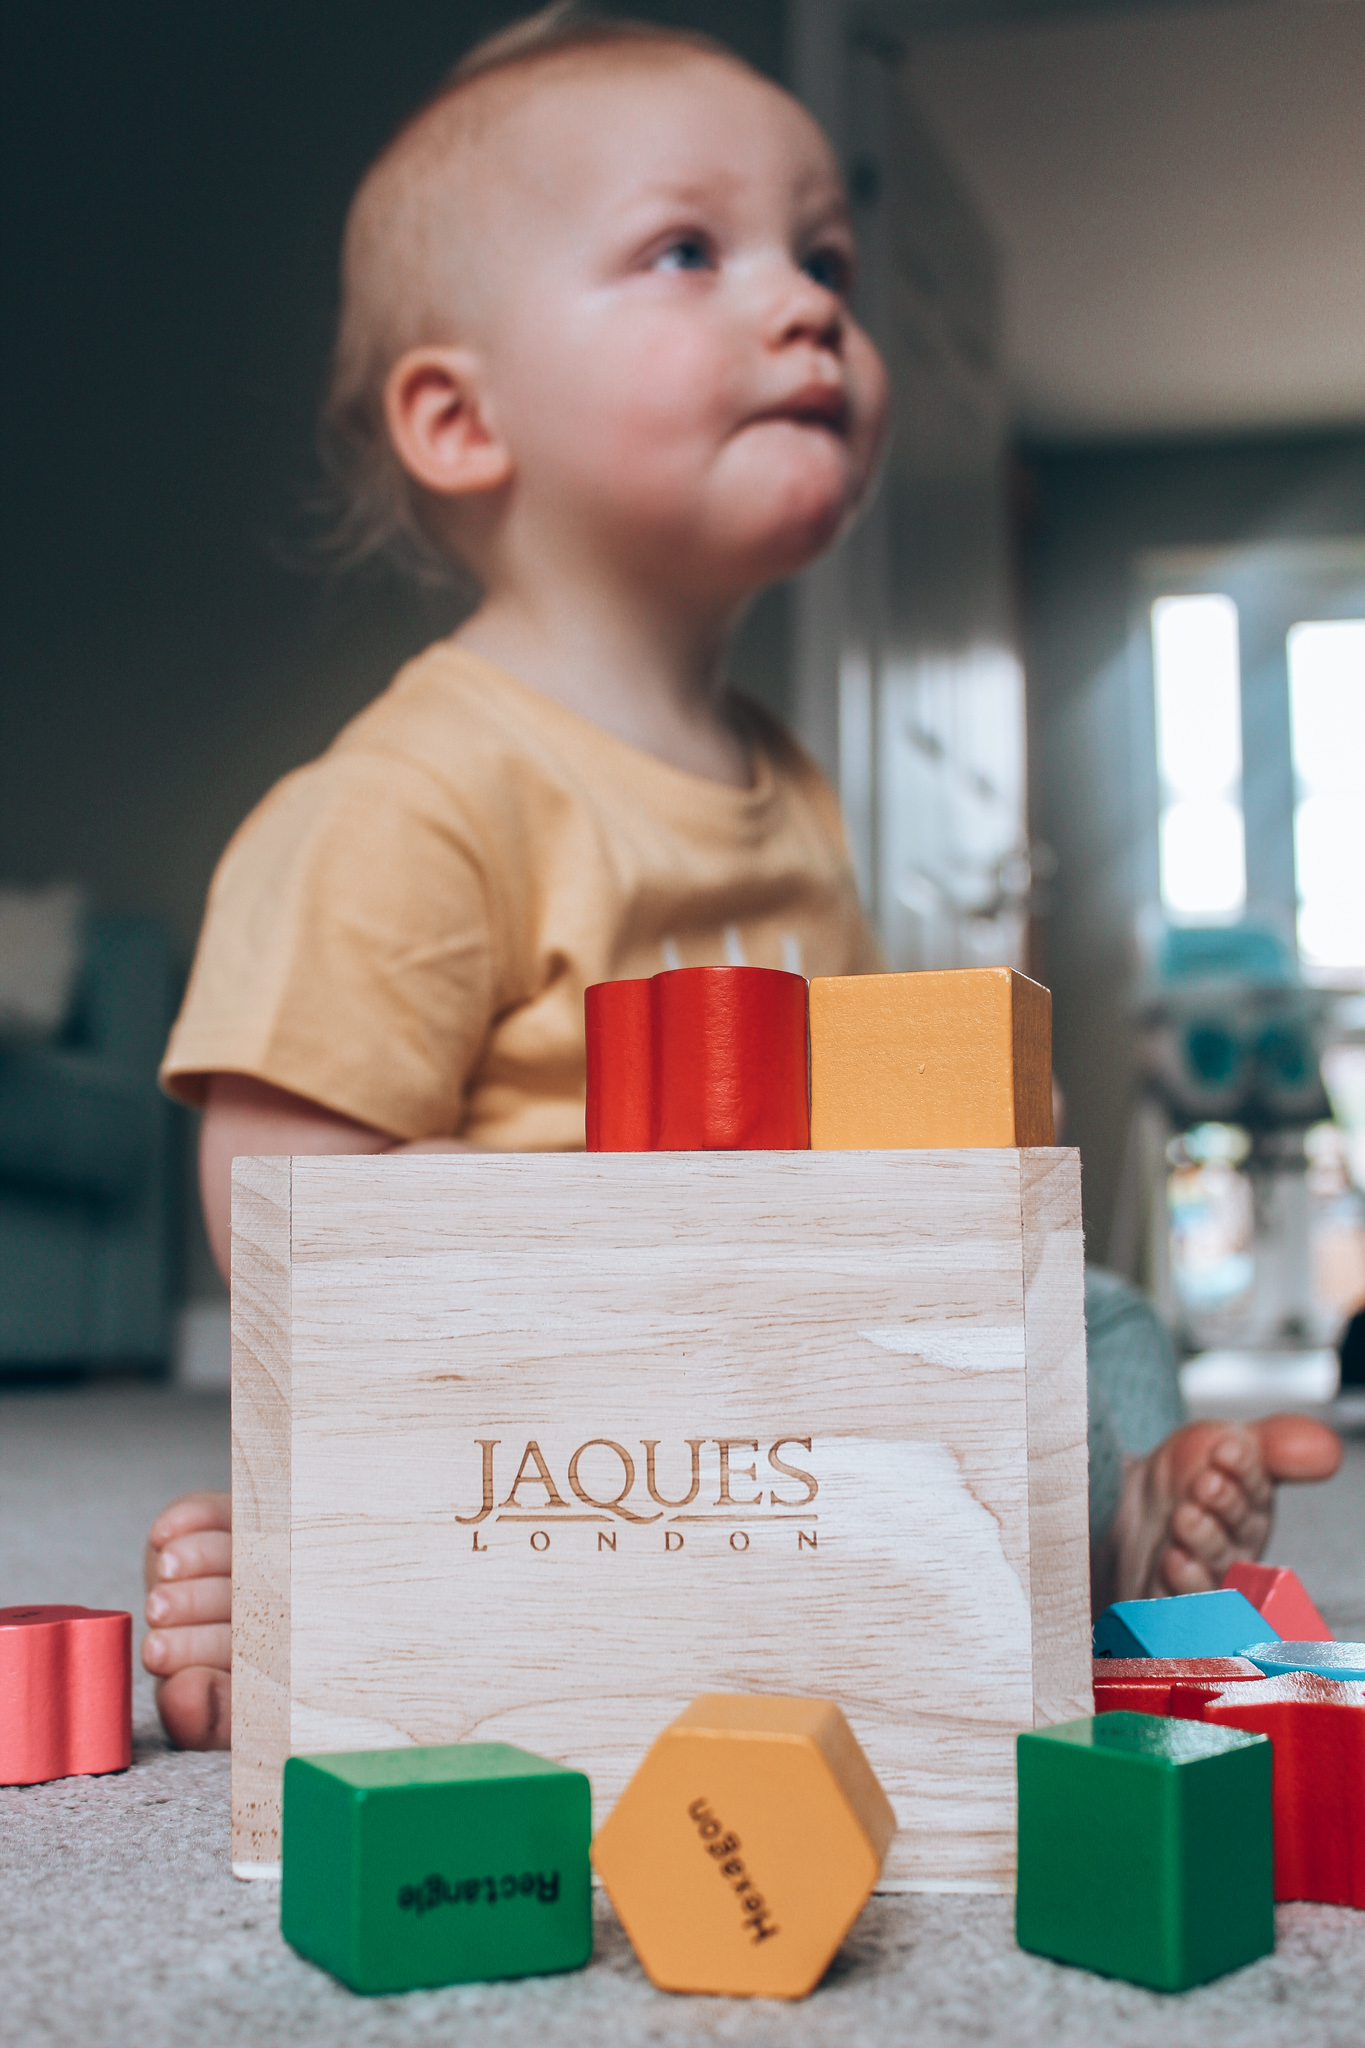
{"x":618,"y":1016}
{"x":66,"y":1692}
{"x":730,"y":1066}
{"x":698,"y":1059}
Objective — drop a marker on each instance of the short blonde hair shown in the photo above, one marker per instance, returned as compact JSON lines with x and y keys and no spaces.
{"x":375,"y":510}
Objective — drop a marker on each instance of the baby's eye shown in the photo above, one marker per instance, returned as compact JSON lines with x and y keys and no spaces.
{"x":686,"y":252}
{"x":830,"y":268}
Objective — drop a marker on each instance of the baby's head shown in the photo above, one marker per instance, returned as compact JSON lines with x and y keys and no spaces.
{"x":596,"y":307}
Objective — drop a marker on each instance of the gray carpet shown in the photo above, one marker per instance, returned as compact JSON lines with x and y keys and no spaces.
{"x":119,"y":1922}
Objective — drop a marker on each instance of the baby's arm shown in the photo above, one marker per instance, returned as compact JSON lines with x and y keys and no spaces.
{"x":189,"y":1547}
{"x":245,"y":1119}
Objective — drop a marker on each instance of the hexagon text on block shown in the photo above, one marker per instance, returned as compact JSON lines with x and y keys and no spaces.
{"x":745,"y":1846}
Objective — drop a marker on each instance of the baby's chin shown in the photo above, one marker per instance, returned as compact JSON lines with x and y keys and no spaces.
{"x":794,"y":487}
{"x":776,"y":532}
{"x":771,"y":506}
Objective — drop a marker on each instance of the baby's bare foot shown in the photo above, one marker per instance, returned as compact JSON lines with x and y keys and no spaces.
{"x":188,"y":1570}
{"x":1202,"y":1500}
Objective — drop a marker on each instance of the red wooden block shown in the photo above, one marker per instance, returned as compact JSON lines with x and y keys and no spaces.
{"x":698,"y":1059}
{"x":1317,"y":1728}
{"x":1277,"y":1594}
{"x":1172,"y":1686}
{"x":730,"y":1070}
{"x":66,"y":1692}
{"x":618,"y":1016}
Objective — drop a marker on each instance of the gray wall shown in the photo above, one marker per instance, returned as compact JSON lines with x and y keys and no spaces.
{"x":181,"y":176}
{"x":1085,"y":515}
{"x":176,"y":184}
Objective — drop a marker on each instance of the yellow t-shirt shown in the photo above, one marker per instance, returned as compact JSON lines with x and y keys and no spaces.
{"x":403,"y":930}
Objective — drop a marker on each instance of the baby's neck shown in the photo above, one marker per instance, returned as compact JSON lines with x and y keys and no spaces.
{"x":657,"y":687}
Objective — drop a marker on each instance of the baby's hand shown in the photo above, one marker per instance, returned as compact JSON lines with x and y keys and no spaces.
{"x":188,"y":1569}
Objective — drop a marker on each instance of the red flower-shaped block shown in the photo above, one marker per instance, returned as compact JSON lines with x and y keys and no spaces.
{"x":66,"y":1692}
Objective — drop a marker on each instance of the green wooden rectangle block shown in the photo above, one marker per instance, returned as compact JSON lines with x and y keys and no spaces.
{"x":408,"y":1867}
{"x":1145,"y":1849}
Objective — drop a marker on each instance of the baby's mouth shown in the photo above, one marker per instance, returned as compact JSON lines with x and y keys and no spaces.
{"x":815,"y":405}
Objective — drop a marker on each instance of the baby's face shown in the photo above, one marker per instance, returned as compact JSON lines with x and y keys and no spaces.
{"x":662,"y":306}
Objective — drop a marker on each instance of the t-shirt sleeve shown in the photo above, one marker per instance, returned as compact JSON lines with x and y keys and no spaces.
{"x":346,"y":951}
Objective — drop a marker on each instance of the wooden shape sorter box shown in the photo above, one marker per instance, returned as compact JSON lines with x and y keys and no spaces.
{"x":535,"y":1449}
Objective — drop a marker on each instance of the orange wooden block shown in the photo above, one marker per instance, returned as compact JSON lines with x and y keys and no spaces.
{"x":958,"y":1058}
{"x":66,"y":1692}
{"x":745,"y":1846}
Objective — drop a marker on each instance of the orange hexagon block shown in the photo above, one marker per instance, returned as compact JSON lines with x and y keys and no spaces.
{"x":745,"y":1846}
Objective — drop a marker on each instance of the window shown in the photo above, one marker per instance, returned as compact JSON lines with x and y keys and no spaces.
{"x":1199,"y":757}
{"x":1258,"y":676}
{"x":1326,"y":660}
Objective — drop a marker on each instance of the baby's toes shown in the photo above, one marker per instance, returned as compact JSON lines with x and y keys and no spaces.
{"x":196,"y":1708}
{"x":202,"y":1554}
{"x":1204,"y":1536}
{"x":166,"y":1651}
{"x":1244,"y":1515}
{"x":1237,"y":1460}
{"x":1221,"y":1494}
{"x":1178,"y":1572}
{"x":186,"y":1601}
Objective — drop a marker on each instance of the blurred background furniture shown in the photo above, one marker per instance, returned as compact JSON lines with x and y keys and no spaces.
{"x":89,"y":1215}
{"x":1237,"y":1208}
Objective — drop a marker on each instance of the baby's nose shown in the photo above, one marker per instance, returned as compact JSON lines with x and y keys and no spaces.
{"x":814,"y":313}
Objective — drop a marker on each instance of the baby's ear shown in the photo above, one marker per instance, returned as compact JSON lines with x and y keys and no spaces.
{"x":439,"y":425}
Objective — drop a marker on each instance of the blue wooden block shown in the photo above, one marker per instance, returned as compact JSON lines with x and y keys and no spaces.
{"x":1219,"y":1624}
{"x":1329,"y":1660}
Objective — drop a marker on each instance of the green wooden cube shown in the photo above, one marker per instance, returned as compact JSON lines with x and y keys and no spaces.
{"x":407,"y":1867}
{"x":1145,"y":1848}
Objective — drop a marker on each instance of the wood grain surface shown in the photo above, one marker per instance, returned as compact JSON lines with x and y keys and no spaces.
{"x":1058,"y":1460}
{"x":260,"y":1508}
{"x":875,"y":1359}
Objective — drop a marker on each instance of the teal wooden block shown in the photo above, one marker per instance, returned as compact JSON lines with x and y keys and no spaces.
{"x":1145,"y":1849}
{"x":1218,"y":1624}
{"x":1329,"y":1660}
{"x":408,"y":1867}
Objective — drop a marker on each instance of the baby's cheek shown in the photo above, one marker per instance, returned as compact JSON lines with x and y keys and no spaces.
{"x":663,"y":373}
{"x":651,"y":441}
{"x":870,"y":397}
{"x":678,"y":395}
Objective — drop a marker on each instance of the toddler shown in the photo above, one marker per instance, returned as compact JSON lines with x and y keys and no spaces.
{"x":595,"y":349}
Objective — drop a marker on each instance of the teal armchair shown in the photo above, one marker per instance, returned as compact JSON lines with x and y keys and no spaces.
{"x":89,"y":1245}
